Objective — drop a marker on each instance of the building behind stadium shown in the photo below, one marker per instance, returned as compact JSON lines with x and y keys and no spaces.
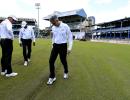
{"x":17,"y":25}
{"x":79,"y":23}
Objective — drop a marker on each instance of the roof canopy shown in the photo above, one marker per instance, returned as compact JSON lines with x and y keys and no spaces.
{"x":80,"y":13}
{"x":127,"y":19}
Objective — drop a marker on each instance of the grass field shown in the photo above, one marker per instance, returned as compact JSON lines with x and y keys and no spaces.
{"x":98,"y":71}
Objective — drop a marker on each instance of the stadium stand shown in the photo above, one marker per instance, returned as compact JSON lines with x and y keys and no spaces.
{"x":76,"y":19}
{"x":117,"y":29}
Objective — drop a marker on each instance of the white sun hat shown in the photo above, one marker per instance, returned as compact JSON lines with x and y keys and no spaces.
{"x":13,"y":17}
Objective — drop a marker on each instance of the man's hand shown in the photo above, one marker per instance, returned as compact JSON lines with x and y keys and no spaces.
{"x":68,"y":52}
{"x":20,"y":44}
{"x":33,"y":43}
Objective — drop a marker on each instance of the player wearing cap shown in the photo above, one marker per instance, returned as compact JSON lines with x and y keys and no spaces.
{"x":26,"y":36}
{"x":7,"y":36}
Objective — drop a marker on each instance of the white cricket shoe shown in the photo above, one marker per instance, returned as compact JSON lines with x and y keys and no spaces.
{"x":11,"y":74}
{"x":51,"y":81}
{"x":3,"y":73}
{"x":66,"y":75}
{"x":25,"y":63}
{"x":29,"y":60}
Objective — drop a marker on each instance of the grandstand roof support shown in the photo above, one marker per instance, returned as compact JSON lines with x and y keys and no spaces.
{"x":80,"y":24}
{"x":120,"y":35}
{"x":128,"y":34}
{"x":106,"y":35}
{"x":121,"y":24}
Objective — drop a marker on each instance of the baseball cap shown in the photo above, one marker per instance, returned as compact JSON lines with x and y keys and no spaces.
{"x":53,"y":17}
{"x":24,"y":23}
{"x":13,"y":17}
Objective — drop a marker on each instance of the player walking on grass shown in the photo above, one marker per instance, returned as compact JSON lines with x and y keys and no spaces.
{"x":60,"y":35}
{"x":26,"y":36}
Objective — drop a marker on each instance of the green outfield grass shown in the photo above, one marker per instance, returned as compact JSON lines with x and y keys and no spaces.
{"x":98,"y":71}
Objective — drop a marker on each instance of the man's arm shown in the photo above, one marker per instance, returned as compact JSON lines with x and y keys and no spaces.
{"x":70,"y":39}
{"x":20,"y":37}
{"x":33,"y":37}
{"x":52,"y":36}
{"x":0,"y":31}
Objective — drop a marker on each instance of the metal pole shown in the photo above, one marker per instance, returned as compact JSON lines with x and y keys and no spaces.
{"x":38,"y":7}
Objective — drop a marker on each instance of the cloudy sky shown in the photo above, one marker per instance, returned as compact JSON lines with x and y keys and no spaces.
{"x":103,"y":10}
